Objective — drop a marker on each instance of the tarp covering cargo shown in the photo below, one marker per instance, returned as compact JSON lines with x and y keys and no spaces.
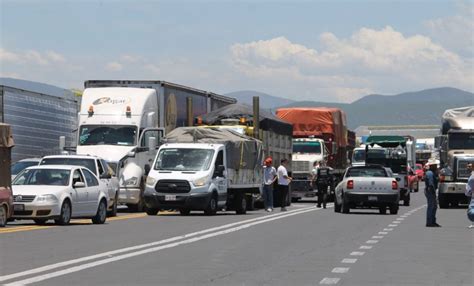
{"x":457,"y":118}
{"x":243,"y":152}
{"x":268,"y":121}
{"x":316,"y":121}
{"x":389,"y":141}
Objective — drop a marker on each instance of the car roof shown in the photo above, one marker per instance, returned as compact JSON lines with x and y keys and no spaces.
{"x":30,"y":160}
{"x":72,"y":156}
{"x":59,"y":167}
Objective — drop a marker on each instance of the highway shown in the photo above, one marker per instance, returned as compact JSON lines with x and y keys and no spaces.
{"x":303,"y":246}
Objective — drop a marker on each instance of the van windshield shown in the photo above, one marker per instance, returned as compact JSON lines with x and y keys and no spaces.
{"x":108,"y":135}
{"x":186,"y":159}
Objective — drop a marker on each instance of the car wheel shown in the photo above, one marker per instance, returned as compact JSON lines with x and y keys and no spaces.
{"x":383,"y":210}
{"x":337,"y":207}
{"x":65,"y":215}
{"x":113,"y":211}
{"x":241,"y":204}
{"x":151,"y":211}
{"x":40,"y":221}
{"x":345,"y":207}
{"x":3,"y":216}
{"x":184,"y":212}
{"x":211,"y":208}
{"x":394,"y":209}
{"x":101,"y":214}
{"x":406,"y":200}
{"x":443,"y":201}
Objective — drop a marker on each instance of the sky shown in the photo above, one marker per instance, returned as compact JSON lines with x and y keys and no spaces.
{"x":334,"y":51}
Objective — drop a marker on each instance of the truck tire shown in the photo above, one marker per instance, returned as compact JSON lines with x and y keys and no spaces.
{"x":345,"y":207}
{"x":211,"y":208}
{"x":443,"y":201}
{"x":383,"y":210}
{"x":240,"y":204}
{"x":151,"y":211}
{"x":250,"y":203}
{"x":406,"y":200}
{"x":394,"y":208}
{"x":184,"y":212}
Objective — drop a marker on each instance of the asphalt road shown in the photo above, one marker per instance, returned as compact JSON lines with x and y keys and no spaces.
{"x":304,"y":246}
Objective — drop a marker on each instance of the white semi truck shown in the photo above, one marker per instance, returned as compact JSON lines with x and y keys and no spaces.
{"x":205,"y":169}
{"x":124,"y":121}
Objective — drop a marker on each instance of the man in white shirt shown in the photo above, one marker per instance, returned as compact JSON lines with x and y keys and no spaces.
{"x":269,"y":177}
{"x":283,"y":183}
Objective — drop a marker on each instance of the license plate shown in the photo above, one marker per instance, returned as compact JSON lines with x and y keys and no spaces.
{"x":170,"y":198}
{"x":18,"y":207}
{"x":372,"y":198}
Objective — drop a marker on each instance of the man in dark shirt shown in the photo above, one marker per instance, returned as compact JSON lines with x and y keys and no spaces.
{"x":431,"y":182}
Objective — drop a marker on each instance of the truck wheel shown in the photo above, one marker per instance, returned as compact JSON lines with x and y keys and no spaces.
{"x":383,"y":210}
{"x":211,"y":208}
{"x":101,"y":214}
{"x":184,"y":212}
{"x":443,"y":201}
{"x":250,"y":203}
{"x":394,"y":209}
{"x":65,"y":216}
{"x":241,"y":204}
{"x":406,"y":200}
{"x":345,"y":207}
{"x":3,"y":216}
{"x":151,"y":211}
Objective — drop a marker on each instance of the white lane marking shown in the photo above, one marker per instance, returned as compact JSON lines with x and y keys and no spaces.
{"x":357,"y":253}
{"x":396,"y":221}
{"x":366,"y":247}
{"x":150,"y":250}
{"x":371,"y":241}
{"x":349,"y":260}
{"x":340,"y":270}
{"x":392,"y":225}
{"x":127,"y":249}
{"x":329,"y":281}
{"x":400,"y":218}
{"x":377,"y":236}
{"x":383,"y":232}
{"x":388,"y":229}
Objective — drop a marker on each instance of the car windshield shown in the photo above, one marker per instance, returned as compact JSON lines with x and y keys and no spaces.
{"x":43,"y":177}
{"x":461,"y":141}
{"x":306,"y":147}
{"x":108,"y":135}
{"x":20,"y":166}
{"x":88,"y":163}
{"x":366,"y":172}
{"x":185,"y":159}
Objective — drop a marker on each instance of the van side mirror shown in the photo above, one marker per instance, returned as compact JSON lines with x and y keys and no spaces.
{"x":105,"y":176}
{"x":78,"y":185}
{"x":219,"y":171}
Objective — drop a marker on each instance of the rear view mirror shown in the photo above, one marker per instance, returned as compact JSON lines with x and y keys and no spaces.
{"x":219,"y":171}
{"x":79,"y":185}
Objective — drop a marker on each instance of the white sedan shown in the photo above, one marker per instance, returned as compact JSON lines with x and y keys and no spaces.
{"x":367,"y":186}
{"x":59,"y":192}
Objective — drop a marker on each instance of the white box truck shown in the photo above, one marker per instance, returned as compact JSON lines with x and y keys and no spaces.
{"x":204,"y":169}
{"x":123,"y":122}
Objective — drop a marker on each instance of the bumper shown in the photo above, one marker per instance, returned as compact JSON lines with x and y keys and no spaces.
{"x":191,"y":201}
{"x":28,"y":210}
{"x":453,"y":188}
{"x":371,"y":199}
{"x":129,"y":195}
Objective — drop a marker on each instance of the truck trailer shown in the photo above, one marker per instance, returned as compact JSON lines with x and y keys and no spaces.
{"x":456,"y":151}
{"x":124,"y":121}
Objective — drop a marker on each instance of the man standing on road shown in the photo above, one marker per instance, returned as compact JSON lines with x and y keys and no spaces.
{"x":269,"y":177}
{"x":283,"y":183}
{"x":323,"y":179}
{"x":470,"y":193}
{"x":431,"y":184}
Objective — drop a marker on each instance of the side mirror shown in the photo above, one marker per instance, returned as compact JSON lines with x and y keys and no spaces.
{"x":147,"y":169}
{"x":105,"y":176}
{"x":131,"y":154}
{"x":79,"y":185}
{"x":219,"y":171}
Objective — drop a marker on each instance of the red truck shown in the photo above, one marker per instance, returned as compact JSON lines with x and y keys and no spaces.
{"x":319,"y":133}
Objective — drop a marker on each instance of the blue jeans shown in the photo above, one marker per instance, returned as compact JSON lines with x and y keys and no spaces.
{"x":268,"y":196}
{"x":470,"y":211}
{"x":430,"y":194}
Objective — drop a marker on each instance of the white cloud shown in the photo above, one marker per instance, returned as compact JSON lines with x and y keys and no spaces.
{"x":31,"y":57}
{"x":114,"y":66}
{"x":368,"y":60}
{"x":55,"y":57}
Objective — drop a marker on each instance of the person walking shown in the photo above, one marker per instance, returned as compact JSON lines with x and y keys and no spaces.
{"x":431,"y":184}
{"x":470,"y":193}
{"x":283,"y":183}
{"x":269,"y":178}
{"x":323,"y":179}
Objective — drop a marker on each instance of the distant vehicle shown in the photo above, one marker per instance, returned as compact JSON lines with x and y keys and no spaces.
{"x":6,"y":196}
{"x":204,"y":169}
{"x":23,"y":164}
{"x":367,"y":186}
{"x":59,"y":192}
{"x":420,"y":172}
{"x":413,"y":182}
{"x":99,"y":167}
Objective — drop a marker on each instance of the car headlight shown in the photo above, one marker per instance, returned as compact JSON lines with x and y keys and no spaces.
{"x":150,"y":181}
{"x":200,"y":182}
{"x":46,"y":198}
{"x":133,"y":181}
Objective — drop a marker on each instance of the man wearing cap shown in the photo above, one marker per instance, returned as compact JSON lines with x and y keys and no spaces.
{"x":269,"y":177}
{"x":431,"y":184}
{"x":470,"y":193}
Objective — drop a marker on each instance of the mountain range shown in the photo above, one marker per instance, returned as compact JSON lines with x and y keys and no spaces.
{"x":423,"y":107}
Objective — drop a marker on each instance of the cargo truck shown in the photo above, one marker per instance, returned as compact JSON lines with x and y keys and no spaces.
{"x":205,"y":169}
{"x":123,"y":122}
{"x":319,"y":134}
{"x":456,"y":150}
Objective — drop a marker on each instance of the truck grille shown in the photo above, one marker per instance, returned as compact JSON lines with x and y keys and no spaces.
{"x":463,"y":172}
{"x":173,"y":186}
{"x":300,"y":166}
{"x":23,"y":199}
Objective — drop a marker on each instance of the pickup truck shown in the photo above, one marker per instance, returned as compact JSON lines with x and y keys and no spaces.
{"x":96,"y":165}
